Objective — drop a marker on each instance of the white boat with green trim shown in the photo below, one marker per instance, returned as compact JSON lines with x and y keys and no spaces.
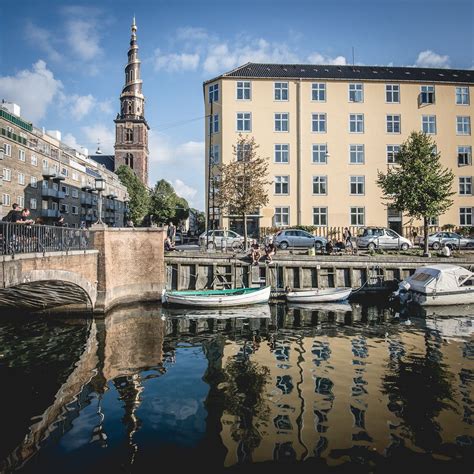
{"x":217,"y":298}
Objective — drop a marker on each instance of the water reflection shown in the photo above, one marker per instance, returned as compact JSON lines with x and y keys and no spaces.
{"x":329,"y":384}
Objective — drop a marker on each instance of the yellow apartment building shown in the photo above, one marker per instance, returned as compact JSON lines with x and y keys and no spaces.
{"x":327,"y":130}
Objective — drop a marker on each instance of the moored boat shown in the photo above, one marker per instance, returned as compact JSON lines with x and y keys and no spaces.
{"x":217,"y":298}
{"x":318,"y":295}
{"x":437,"y":285}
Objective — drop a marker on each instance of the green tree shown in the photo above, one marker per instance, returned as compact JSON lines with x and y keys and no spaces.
{"x":138,"y":193}
{"x":166,"y":205}
{"x":243,"y":183}
{"x":418,"y":185}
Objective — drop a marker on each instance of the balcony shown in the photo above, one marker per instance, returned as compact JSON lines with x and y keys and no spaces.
{"x":52,"y":193}
{"x":86,"y":200}
{"x":48,"y":173}
{"x":50,"y":213}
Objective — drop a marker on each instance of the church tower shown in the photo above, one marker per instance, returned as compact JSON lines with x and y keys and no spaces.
{"x":131,"y":128}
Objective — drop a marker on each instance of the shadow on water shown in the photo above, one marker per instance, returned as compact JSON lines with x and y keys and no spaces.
{"x":327,"y":387}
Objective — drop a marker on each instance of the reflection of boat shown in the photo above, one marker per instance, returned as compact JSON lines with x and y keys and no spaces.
{"x":452,"y":327}
{"x":261,"y":311}
{"x":217,"y":298}
{"x":334,"y":307}
{"x":318,"y":295}
{"x":435,"y":285}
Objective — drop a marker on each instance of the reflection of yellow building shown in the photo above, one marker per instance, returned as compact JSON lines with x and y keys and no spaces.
{"x":329,"y":394}
{"x":328,"y":129}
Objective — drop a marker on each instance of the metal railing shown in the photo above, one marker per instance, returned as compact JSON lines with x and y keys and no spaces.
{"x":25,"y":238}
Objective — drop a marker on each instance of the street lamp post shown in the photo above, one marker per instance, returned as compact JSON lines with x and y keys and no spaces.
{"x":99,"y":187}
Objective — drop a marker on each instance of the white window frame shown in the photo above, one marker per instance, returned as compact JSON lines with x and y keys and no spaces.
{"x":279,"y":89}
{"x":7,"y":174}
{"x":357,"y":181}
{"x":319,"y":150}
{"x":74,"y":210}
{"x":282,"y":181}
{"x":462,"y":95}
{"x":356,"y":92}
{"x":281,"y":118}
{"x":465,"y":122}
{"x":357,"y":216}
{"x":21,"y":179}
{"x":33,"y":181}
{"x":281,"y":211}
{"x":465,"y":185}
{"x":357,"y":151}
{"x":392,"y":91}
{"x":245,"y":88}
{"x":320,"y":185}
{"x":21,"y":154}
{"x":213,"y":92}
{"x":392,"y":120}
{"x":391,"y":152}
{"x":20,"y":201}
{"x":427,"y":94}
{"x":321,"y":214}
{"x":74,"y":193}
{"x":358,"y":121}
{"x":428,"y":124}
{"x":319,"y":118}
{"x":281,"y":152}
{"x":464,"y":155}
{"x":318,"y":89}
{"x":243,"y":122}
{"x":7,"y":149}
{"x":6,"y":200}
{"x":34,"y":160}
{"x":215,"y":153}
{"x":466,"y":214}
{"x":214,"y":123}
{"x":33,"y":203}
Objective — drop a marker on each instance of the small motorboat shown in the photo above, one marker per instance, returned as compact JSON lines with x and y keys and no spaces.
{"x":318,"y":295}
{"x":217,"y":298}
{"x":437,"y":285}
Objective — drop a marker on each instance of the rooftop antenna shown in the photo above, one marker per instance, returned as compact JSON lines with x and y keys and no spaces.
{"x":98,"y":151}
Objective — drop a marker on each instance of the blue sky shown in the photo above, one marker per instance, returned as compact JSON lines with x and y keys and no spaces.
{"x":63,"y":61}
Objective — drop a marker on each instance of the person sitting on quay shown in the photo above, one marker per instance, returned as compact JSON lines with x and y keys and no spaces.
{"x":446,"y":251}
{"x":255,"y":252}
{"x":169,"y":246}
{"x":59,"y":222}
{"x":14,"y":211}
{"x":270,"y":250}
{"x":329,"y":247}
{"x":23,"y":217}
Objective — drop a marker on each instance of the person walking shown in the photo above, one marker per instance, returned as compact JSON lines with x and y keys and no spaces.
{"x":171,"y":232}
{"x":347,"y":238}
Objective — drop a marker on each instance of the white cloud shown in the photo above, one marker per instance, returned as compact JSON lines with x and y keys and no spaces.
{"x":83,"y":38}
{"x":176,"y":62}
{"x":70,"y":140}
{"x":79,"y":106}
{"x":185,"y":191}
{"x":33,"y":90}
{"x":318,"y":58}
{"x":43,"y":39}
{"x":99,"y":132}
{"x":430,"y":59}
{"x":189,"y":33}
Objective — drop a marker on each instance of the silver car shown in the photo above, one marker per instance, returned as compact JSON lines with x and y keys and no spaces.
{"x":451,"y":239}
{"x":373,"y":238}
{"x":298,"y":238}
{"x":221,"y":238}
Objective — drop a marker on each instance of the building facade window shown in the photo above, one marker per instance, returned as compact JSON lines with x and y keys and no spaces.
{"x":280,"y":91}
{"x":465,"y":216}
{"x":318,"y":92}
{"x":75,"y":210}
{"x":392,"y":93}
{"x":356,"y":93}
{"x":320,"y":185}
{"x":465,"y":185}
{"x":33,"y":182}
{"x":320,"y":216}
{"x":243,"y":91}
{"x":215,"y":154}
{"x":427,"y":95}
{"x":428,"y":124}
{"x":128,"y":135}
{"x":462,"y":95}
{"x":213,"y":93}
{"x":463,"y":125}
{"x":356,"y":154}
{"x":282,"y":216}
{"x":357,"y":216}
{"x":282,"y":184}
{"x":392,"y":152}
{"x":21,"y":155}
{"x":464,"y":155}
{"x":34,"y":160}
{"x":33,"y":203}
{"x":214,"y":123}
{"x":357,"y":185}
{"x":6,"y":201}
{"x":64,"y":208}
{"x":7,"y":149}
{"x":74,"y":193}
{"x":282,"y":153}
{"x":320,"y":153}
{"x":21,"y":178}
{"x":393,"y":124}
{"x":243,"y":151}
{"x":281,"y":122}
{"x":75,"y":176}
{"x":244,"y":121}
{"x":45,"y":164}
{"x":318,"y":123}
{"x":7,"y":174}
{"x":20,"y":201}
{"x":356,"y":123}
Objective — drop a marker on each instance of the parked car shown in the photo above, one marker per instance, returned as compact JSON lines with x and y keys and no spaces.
{"x":451,"y":239}
{"x":380,"y":237}
{"x":219,"y":238}
{"x":298,"y":238}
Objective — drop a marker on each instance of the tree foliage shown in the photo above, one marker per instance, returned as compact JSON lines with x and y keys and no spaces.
{"x":138,"y":193}
{"x":243,"y":183}
{"x":418,"y":185}
{"x":166,"y":205}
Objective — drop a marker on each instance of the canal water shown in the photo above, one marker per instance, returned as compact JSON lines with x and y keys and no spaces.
{"x":337,"y":388}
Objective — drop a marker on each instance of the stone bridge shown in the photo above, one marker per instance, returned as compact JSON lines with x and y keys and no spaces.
{"x":125,"y":265}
